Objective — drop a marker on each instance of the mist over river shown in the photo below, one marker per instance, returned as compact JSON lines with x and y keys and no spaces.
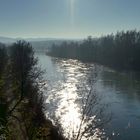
{"x":66,"y":83}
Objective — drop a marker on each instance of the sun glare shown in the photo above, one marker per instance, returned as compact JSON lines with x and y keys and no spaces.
{"x":72,"y":8}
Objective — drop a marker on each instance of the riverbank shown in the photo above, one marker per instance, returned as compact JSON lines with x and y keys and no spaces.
{"x":28,"y":124}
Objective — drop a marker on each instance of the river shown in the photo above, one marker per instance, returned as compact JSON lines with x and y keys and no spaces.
{"x":113,"y":99}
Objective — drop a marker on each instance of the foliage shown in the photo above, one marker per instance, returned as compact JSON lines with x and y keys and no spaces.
{"x":3,"y":57}
{"x":22,"y":63}
{"x":22,"y":107}
{"x":120,"y":51}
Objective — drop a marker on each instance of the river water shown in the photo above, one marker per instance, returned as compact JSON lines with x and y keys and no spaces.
{"x":111,"y":99}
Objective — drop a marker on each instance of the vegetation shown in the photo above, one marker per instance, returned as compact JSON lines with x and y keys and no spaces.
{"x":21,"y":101}
{"x":3,"y":104}
{"x":120,"y":51}
{"x":3,"y":57}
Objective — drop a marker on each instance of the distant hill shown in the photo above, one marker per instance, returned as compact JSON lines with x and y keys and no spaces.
{"x":7,"y":40}
{"x":39,"y":44}
{"x":11,"y":40}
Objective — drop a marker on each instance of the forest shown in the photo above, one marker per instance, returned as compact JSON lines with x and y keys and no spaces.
{"x":22,"y":107}
{"x":120,"y":51}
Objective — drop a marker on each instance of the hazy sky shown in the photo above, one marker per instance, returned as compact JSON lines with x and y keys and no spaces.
{"x":67,"y":18}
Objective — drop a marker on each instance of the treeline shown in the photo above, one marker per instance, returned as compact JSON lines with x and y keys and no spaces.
{"x":3,"y":56}
{"x":3,"y":105}
{"x":21,"y":102}
{"x":120,"y":51}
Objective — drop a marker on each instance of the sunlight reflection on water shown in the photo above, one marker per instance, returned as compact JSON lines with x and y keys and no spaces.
{"x":63,"y":96}
{"x":65,"y":84}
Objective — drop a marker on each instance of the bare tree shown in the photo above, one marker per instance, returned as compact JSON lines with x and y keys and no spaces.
{"x":93,"y":113}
